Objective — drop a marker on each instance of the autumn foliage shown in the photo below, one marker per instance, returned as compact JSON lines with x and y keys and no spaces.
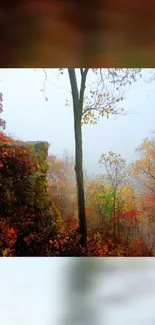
{"x":110,"y":233}
{"x":38,"y":203}
{"x":115,"y":214}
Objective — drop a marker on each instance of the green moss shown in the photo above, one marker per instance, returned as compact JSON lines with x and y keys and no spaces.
{"x":36,"y":190}
{"x":33,"y":189}
{"x":40,"y":149}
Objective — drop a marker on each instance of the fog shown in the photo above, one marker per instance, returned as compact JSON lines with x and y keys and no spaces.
{"x":30,"y":117}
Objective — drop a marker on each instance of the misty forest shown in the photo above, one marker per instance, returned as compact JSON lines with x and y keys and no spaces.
{"x":50,"y":205}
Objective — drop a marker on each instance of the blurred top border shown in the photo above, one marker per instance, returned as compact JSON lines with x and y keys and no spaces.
{"x":77,"y":33}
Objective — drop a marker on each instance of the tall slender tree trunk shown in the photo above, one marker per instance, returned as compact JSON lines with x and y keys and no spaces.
{"x":77,"y":109}
{"x":80,"y":184}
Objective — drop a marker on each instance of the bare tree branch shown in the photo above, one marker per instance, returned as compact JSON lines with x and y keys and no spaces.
{"x":146,"y":172}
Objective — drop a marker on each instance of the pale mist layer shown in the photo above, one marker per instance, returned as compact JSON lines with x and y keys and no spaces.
{"x":30,"y":117}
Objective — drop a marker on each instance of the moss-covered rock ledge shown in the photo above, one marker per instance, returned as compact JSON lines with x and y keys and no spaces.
{"x":23,"y":173}
{"x":28,"y":217}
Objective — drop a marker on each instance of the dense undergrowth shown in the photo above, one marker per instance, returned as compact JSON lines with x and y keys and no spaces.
{"x":38,"y":211}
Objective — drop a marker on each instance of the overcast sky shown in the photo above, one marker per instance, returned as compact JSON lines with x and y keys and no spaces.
{"x":30,"y":117}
